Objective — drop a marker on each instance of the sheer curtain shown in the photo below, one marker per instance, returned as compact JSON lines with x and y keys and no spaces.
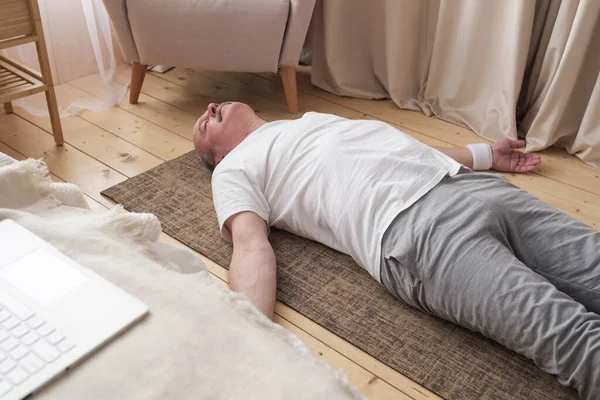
{"x":502,"y":68}
{"x":80,"y":42}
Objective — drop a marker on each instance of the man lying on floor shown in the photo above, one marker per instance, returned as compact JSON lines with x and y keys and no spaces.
{"x":468,"y":247}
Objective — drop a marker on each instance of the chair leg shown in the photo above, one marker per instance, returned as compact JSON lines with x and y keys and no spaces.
{"x":42,"y":53}
{"x":54,"y":116}
{"x":138,"y":73}
{"x":288,"y":78}
{"x":8,"y":107}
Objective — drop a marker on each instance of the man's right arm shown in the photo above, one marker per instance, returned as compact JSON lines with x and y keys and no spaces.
{"x":253,"y":266}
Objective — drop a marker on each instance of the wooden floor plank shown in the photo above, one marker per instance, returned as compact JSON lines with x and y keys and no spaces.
{"x":140,"y":132}
{"x":9,"y":151}
{"x":190,"y":101}
{"x":146,"y":135}
{"x":102,"y":145}
{"x":65,"y":161}
{"x":377,"y":388}
{"x":20,"y":157}
{"x":171,"y":118}
{"x":557,"y":164}
{"x":150,"y":109}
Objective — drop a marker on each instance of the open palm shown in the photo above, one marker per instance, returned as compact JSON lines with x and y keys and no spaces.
{"x":506,"y":159}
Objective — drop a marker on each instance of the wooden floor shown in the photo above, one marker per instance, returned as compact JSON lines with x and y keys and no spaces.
{"x":105,"y":148}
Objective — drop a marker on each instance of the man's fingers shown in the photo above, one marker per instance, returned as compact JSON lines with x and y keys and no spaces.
{"x":525,"y":168}
{"x":516,"y":144}
{"x":527,"y":158}
{"x":525,"y":162}
{"x":528,"y":162}
{"x":532,"y":160}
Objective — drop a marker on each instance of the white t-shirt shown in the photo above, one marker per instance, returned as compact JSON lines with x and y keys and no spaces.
{"x":337,"y":181}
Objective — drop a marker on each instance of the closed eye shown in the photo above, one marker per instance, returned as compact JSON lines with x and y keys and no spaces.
{"x":205,"y":123}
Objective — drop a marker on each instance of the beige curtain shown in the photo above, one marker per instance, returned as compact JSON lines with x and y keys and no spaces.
{"x":561,"y":96}
{"x":486,"y":65}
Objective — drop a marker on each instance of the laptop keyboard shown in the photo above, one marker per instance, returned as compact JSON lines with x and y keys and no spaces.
{"x":27,"y":343}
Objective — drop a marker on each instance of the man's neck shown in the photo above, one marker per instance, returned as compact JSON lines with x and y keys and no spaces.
{"x":253,"y":125}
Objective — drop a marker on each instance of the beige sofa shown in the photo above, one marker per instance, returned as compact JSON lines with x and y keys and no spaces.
{"x":221,"y":35}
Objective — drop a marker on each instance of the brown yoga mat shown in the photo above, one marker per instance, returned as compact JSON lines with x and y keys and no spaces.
{"x":330,"y":289}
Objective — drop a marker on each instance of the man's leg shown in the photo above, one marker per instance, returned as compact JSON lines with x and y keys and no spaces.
{"x":553,"y":244}
{"x":449,"y":255}
{"x":494,"y":293}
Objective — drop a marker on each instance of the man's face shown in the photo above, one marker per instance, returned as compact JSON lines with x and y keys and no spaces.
{"x":221,"y":128}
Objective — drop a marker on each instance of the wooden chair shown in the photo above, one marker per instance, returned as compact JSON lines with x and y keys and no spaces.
{"x":20,"y":23}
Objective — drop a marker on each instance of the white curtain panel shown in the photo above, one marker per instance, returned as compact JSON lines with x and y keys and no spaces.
{"x":470,"y":62}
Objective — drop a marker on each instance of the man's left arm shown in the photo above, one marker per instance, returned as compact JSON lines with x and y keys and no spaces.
{"x":501,"y":156}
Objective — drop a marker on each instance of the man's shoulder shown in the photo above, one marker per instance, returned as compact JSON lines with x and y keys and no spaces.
{"x":224,"y":172}
{"x":235,"y":172}
{"x":230,"y":182}
{"x":321,"y":116}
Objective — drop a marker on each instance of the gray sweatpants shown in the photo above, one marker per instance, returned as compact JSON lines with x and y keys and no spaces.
{"x":482,"y":253}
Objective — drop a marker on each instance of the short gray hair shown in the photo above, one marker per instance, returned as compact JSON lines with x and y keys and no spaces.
{"x":207,"y":156}
{"x":208,"y":159}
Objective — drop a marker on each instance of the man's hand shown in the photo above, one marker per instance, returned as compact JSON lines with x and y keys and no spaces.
{"x":504,"y":156}
{"x":506,"y":159}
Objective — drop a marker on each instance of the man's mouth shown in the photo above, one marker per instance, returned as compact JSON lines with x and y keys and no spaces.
{"x":219,"y":112}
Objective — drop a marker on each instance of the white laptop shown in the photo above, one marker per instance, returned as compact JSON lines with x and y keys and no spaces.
{"x":53,"y":312}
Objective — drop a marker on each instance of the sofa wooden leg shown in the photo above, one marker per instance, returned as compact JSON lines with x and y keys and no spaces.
{"x":288,"y":77}
{"x":8,"y":107}
{"x":138,"y":73}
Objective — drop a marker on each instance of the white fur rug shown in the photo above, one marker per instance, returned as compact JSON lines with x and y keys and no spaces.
{"x":200,"y":341}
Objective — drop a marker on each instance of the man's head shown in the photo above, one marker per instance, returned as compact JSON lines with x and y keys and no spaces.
{"x":221,"y":128}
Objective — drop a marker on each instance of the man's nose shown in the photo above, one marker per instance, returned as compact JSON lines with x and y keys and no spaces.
{"x":212,"y":109}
